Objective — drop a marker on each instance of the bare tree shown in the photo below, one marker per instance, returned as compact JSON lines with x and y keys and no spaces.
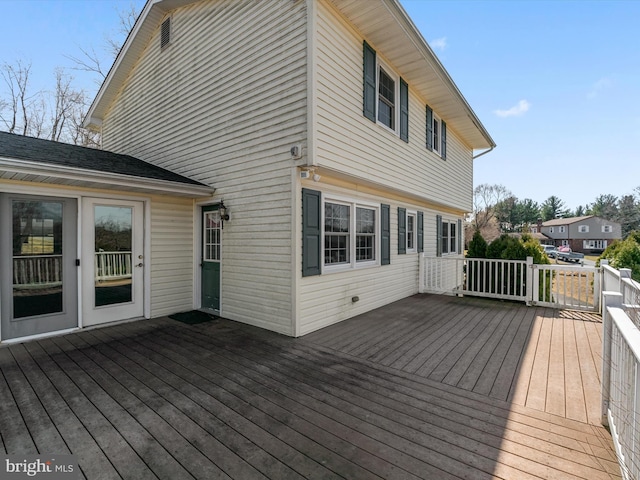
{"x":94,"y":61}
{"x":485,"y":199}
{"x":14,"y":114}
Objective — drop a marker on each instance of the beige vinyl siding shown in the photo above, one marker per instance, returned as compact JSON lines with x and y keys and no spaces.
{"x":223,"y":104}
{"x":326,"y":299}
{"x":171,"y":255}
{"x":349,"y":142}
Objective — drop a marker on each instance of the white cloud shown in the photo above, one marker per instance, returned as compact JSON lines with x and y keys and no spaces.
{"x":516,"y":111}
{"x":439,"y":43}
{"x":599,"y":86}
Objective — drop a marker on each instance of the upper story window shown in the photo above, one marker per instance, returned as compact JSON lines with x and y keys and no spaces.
{"x":583,"y":229}
{"x":607,"y":229}
{"x":386,"y":99}
{"x":386,"y":95}
{"x":436,"y":134}
{"x":550,"y":229}
{"x":562,"y":229}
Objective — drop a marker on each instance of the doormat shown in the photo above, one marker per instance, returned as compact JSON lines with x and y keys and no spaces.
{"x":193,"y":317}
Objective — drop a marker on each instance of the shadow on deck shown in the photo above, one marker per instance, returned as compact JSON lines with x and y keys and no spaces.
{"x":429,"y":387}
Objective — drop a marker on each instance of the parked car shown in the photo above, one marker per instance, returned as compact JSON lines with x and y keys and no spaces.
{"x":565,"y":254}
{"x":550,"y":250}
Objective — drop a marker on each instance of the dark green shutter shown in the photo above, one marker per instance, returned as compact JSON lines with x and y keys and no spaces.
{"x":369,"y":96}
{"x":460,"y":237}
{"x":402,"y":230}
{"x":385,"y":231}
{"x":429,"y":128}
{"x":443,"y":141}
{"x":310,"y":232}
{"x":420,"y":232}
{"x":404,"y":111}
{"x":438,"y":235}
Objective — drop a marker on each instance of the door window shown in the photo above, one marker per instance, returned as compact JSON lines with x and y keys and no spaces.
{"x":37,"y":258}
{"x":112,"y":260}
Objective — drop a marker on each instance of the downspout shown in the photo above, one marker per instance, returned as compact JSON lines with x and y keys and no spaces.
{"x":483,"y":153}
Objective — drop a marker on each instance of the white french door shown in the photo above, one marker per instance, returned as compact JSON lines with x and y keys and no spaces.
{"x":112,"y":260}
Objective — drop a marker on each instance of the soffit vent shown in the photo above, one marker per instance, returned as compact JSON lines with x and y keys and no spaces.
{"x":165,"y":34}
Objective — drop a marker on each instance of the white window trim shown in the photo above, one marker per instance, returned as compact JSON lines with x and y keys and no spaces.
{"x":550,"y":229}
{"x":352,"y":264}
{"x":449,"y":222}
{"x":437,"y":149}
{"x":562,"y":229}
{"x":414,"y":214}
{"x":396,"y":110}
{"x":607,"y":228}
{"x":583,"y":229}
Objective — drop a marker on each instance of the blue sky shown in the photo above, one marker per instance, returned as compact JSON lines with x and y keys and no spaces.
{"x":556,"y":83}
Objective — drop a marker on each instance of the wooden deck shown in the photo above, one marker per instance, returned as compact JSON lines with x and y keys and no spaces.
{"x":430,"y":387}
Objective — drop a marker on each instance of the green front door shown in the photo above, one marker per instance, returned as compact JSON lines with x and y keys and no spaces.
{"x":211,"y":243}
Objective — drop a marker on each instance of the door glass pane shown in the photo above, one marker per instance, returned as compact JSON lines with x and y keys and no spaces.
{"x":37,"y":258}
{"x":112,"y":260}
{"x":212,"y":226}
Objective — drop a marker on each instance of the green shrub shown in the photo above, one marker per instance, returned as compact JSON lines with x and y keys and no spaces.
{"x":625,"y":254}
{"x":477,"y":246}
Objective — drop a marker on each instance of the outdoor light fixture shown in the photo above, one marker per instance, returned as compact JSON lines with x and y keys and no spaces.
{"x":224,"y":211}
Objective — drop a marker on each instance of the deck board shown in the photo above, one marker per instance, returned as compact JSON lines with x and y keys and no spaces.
{"x":428,"y":387}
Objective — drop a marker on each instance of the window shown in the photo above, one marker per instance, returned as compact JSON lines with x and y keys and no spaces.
{"x":607,"y":229}
{"x":386,"y":95}
{"x":411,"y":232}
{"x":565,"y":243}
{"x":336,"y":233}
{"x":449,"y":237}
{"x":594,"y":244}
{"x":583,"y":229}
{"x":436,"y":134}
{"x":550,"y":229}
{"x":386,"y":99}
{"x":561,"y":229}
{"x":350,"y":232}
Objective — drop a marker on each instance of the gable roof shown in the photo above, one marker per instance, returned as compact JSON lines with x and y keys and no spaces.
{"x":35,"y":159}
{"x":384,"y":23}
{"x":565,"y":221}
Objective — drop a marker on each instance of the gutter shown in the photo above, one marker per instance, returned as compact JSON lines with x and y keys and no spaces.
{"x":483,"y":153}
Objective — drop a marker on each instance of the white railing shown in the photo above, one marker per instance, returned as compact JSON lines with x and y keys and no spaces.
{"x":112,"y":265}
{"x":566,"y":286}
{"x":557,"y":286}
{"x":37,"y":271}
{"x":621,"y":383}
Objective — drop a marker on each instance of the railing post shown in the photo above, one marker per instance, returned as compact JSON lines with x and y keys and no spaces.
{"x":624,"y":273}
{"x":609,"y":299}
{"x":532,"y":284}
{"x":421,"y":273}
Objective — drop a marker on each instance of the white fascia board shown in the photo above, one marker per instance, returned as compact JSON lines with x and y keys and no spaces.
{"x":90,"y":178}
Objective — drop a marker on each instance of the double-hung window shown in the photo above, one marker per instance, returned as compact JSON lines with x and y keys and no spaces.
{"x":449,"y":240}
{"x":386,"y":95}
{"x":350,"y":234}
{"x":411,"y":232}
{"x":436,"y":134}
{"x":583,"y":229}
{"x":607,"y":229}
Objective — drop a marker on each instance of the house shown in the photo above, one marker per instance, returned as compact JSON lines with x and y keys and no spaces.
{"x":588,"y":234}
{"x":335,"y":146}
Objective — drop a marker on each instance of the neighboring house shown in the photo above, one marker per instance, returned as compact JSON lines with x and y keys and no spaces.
{"x":589,"y":234}
{"x":336,"y":142}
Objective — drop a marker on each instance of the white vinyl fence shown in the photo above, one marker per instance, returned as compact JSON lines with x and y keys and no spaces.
{"x":621,"y":366}
{"x":557,"y":286}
